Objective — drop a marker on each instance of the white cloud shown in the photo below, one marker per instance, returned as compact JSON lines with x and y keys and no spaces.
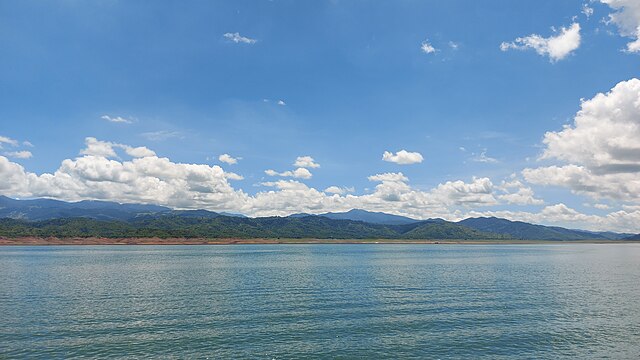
{"x":300,"y":173}
{"x":237,"y":38}
{"x":453,"y":45}
{"x":480,"y":192}
{"x":27,"y":143}
{"x":427,"y":48}
{"x":8,"y":141}
{"x":518,"y":193}
{"x":137,"y":152}
{"x":226,"y":158}
{"x":602,"y":206}
{"x":339,"y":190}
{"x":306,"y":162}
{"x":601,"y":147}
{"x":281,"y":103}
{"x":389,"y":177}
{"x":587,"y":10}
{"x":140,"y":180}
{"x":233,"y":176}
{"x":403,"y":157}
{"x":96,"y":147}
{"x":483,"y":158}
{"x":116,"y":119}
{"x":24,"y":154}
{"x":555,"y":47}
{"x":627,"y":18}
{"x":106,"y":149}
{"x":605,"y":133}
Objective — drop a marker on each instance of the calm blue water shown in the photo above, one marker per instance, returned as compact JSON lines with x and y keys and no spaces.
{"x":321,"y":301}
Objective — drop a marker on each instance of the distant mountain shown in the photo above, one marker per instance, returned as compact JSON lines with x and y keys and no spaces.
{"x":609,"y":234}
{"x":166,"y":226}
{"x":42,"y":209}
{"x":370,"y":217}
{"x":523,"y":230}
{"x":633,"y":237}
{"x":224,"y":213}
{"x":300,"y":215}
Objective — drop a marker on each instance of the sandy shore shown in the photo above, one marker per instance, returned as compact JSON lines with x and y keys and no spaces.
{"x":209,"y":241}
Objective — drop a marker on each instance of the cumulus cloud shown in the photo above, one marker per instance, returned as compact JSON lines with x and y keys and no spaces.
{"x":515,"y":192}
{"x":116,"y":119}
{"x":137,"y":152}
{"x":226,"y":158}
{"x":427,"y":48}
{"x":24,"y":154}
{"x":306,"y":162}
{"x":605,"y":133}
{"x":281,"y":103}
{"x":233,"y":176}
{"x":140,"y":180}
{"x":95,"y":147}
{"x":300,"y":173}
{"x":237,"y":38}
{"x":403,"y":157}
{"x":480,"y":192}
{"x":555,"y":47}
{"x":600,"y":148}
{"x":627,"y":18}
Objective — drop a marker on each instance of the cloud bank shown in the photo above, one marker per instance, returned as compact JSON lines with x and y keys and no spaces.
{"x":600,"y":151}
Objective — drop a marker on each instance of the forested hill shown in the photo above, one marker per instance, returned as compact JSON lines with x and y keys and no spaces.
{"x":236,"y":227}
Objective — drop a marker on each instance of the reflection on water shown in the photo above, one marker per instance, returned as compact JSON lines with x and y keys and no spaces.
{"x":321,"y":301}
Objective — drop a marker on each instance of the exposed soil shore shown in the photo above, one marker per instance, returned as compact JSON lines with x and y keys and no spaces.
{"x":232,"y":241}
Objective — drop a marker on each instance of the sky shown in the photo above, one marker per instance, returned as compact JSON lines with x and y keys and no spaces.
{"x":526,"y":110}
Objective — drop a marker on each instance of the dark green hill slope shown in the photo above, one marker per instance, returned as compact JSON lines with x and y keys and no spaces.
{"x":237,"y":227}
{"x":522,"y":230}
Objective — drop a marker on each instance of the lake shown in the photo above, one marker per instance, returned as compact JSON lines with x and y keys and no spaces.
{"x":321,"y":301}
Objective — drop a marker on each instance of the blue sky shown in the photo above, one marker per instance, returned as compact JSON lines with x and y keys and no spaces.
{"x":339,"y":81}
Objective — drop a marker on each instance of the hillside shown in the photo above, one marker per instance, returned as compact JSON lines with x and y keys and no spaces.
{"x":370,"y":217}
{"x":523,"y":230}
{"x":237,"y":227}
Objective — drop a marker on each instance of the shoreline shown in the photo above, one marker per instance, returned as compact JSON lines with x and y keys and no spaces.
{"x":51,"y":241}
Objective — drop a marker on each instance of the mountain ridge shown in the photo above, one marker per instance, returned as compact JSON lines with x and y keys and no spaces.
{"x":41,"y":211}
{"x":366,"y":216}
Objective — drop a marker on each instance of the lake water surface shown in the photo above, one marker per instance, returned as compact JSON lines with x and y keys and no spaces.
{"x":321,"y":301}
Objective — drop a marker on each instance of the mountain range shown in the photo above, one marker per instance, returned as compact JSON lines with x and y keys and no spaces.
{"x":47,"y":217}
{"x":366,"y":216}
